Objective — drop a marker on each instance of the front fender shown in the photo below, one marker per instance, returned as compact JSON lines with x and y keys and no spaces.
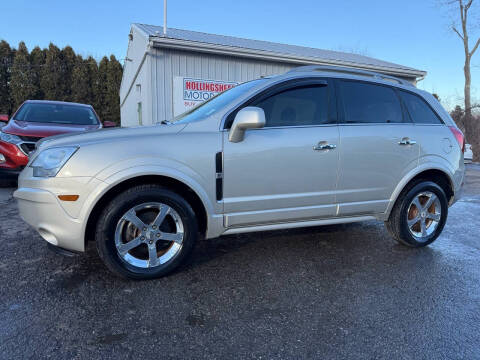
{"x":118,"y":173}
{"x":169,"y":169}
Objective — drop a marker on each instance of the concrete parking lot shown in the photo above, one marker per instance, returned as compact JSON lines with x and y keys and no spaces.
{"x":344,"y":291}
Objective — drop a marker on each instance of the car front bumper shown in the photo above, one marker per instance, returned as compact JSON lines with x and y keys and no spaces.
{"x":60,"y":223}
{"x":41,"y":210}
{"x":12,"y":159}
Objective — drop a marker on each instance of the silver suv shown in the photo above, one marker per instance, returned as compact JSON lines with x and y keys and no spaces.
{"x":314,"y":146}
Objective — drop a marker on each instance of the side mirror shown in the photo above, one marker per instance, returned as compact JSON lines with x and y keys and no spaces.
{"x":249,"y":117}
{"x":3,"y":118}
{"x":109,"y":124}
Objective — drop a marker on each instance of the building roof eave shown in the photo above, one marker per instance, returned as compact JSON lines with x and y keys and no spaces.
{"x":186,"y":45}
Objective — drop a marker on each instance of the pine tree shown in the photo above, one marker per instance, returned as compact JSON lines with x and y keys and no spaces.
{"x":51,"y":75}
{"x":84,"y":80}
{"x":37,"y":61}
{"x":101,"y":105}
{"x":114,"y":78}
{"x":81,"y":83}
{"x":22,"y":85}
{"x":68,"y":61}
{"x":54,"y":74}
{"x":92,"y":66}
{"x":6,"y":62}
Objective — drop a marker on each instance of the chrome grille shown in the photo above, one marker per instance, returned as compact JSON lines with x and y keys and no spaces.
{"x":28,"y":144}
{"x":27,"y":147}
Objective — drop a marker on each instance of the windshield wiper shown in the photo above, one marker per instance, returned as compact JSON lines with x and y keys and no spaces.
{"x":165,"y":122}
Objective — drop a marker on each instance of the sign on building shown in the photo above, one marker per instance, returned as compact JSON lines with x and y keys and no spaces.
{"x":188,"y":92}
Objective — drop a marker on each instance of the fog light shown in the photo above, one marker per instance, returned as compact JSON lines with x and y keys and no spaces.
{"x":2,"y":159}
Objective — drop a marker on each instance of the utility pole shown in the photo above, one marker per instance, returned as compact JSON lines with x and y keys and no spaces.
{"x":164,"y":17}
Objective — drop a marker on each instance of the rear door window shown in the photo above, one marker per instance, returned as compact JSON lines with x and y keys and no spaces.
{"x":365,"y":103}
{"x":419,"y":111}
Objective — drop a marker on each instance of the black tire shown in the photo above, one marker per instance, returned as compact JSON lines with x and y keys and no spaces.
{"x":112,"y":214}
{"x":397,"y":224}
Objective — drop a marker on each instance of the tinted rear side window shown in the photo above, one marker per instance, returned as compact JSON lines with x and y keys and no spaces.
{"x":418,"y":109}
{"x":368,"y":103}
{"x":301,"y":106}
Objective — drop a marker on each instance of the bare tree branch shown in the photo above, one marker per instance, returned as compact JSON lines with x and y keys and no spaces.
{"x":475,"y":47}
{"x":458,"y":33}
{"x":470,"y":122}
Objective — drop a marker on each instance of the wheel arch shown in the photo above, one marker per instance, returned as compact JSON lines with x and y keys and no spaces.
{"x":438,"y":175}
{"x":172,"y":183}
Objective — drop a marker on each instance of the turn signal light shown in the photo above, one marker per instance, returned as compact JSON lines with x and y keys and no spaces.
{"x":68,"y":197}
{"x":459,"y":136}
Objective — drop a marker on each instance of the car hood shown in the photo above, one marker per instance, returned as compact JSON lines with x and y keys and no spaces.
{"x":130,"y":134}
{"x":41,"y":130}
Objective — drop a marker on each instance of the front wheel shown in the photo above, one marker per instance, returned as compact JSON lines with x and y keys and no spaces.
{"x":146,"y":232}
{"x":419,"y":214}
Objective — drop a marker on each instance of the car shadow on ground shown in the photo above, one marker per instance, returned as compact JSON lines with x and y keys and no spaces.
{"x":353,"y":245}
{"x":8,"y":181}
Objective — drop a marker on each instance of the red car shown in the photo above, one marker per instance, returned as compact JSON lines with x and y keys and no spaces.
{"x":36,"y":119}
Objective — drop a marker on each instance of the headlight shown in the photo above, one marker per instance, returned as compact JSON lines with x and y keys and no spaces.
{"x":9,"y":138}
{"x":49,"y":162}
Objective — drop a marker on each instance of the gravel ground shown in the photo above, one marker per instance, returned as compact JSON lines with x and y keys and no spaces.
{"x":336,"y":292}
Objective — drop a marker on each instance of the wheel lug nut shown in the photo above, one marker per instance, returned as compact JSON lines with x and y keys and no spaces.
{"x":158,"y":234}
{"x":154,"y":227}
{"x":142,"y":238}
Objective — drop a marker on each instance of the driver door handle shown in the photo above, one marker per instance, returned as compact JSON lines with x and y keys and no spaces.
{"x":406,"y":141}
{"x":323,"y":145}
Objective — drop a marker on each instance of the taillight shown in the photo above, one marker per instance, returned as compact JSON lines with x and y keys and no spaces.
{"x":459,"y":136}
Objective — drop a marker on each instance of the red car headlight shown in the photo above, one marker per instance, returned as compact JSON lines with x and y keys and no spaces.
{"x":9,"y":138}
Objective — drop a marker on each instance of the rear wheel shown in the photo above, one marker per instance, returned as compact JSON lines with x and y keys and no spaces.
{"x":146,"y":232}
{"x":419,"y":214}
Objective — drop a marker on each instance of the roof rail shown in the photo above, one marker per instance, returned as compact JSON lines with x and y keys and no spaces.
{"x":350,"y":71}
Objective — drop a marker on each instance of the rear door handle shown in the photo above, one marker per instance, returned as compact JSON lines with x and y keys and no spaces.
{"x":323,"y":145}
{"x":407,"y":141}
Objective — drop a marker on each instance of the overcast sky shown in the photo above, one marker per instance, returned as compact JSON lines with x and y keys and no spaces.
{"x":409,"y":32}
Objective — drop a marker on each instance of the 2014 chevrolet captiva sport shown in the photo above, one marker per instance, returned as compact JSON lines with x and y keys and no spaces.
{"x":314,"y":146}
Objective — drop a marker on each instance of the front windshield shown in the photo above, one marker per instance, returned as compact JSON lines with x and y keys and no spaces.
{"x":57,"y":114}
{"x":216,"y":103}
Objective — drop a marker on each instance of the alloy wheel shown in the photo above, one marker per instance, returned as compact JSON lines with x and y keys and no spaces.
{"x":149,"y":235}
{"x":423,"y":215}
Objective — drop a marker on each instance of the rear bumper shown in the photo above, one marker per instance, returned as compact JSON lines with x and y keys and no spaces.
{"x":458,"y":182}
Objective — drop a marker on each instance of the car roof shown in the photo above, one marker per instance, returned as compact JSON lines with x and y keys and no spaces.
{"x":53,"y":102}
{"x":348,"y":74}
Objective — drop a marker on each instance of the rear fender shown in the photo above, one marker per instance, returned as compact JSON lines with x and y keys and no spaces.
{"x":431,"y":165}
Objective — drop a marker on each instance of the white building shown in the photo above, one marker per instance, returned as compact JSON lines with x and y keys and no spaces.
{"x":165,"y":75}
